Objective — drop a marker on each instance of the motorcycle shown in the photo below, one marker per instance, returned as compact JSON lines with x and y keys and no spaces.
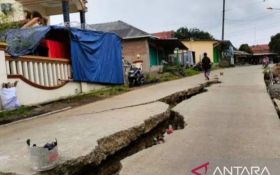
{"x":135,"y":76}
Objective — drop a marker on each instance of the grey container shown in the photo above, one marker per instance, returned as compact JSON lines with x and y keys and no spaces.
{"x":43,"y":159}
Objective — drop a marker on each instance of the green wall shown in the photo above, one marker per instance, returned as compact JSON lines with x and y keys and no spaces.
{"x":156,"y":56}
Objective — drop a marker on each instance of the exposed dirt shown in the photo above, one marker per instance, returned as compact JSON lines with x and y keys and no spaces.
{"x":112,"y":165}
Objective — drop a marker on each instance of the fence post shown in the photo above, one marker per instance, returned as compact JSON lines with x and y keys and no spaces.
{"x":3,"y":72}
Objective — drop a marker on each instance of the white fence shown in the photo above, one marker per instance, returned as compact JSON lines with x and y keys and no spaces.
{"x":41,"y":72}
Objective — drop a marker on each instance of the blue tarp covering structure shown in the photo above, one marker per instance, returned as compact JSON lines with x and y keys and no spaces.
{"x":95,"y":56}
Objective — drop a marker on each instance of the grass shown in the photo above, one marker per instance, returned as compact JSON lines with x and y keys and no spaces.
{"x":22,"y":111}
{"x":73,"y":101}
{"x":97,"y":94}
{"x":168,"y":76}
{"x":115,"y":90}
{"x":191,"y":72}
{"x":171,"y":72}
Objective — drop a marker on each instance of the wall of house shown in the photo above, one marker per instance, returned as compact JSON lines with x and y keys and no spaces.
{"x":30,"y":95}
{"x":132,"y":48}
{"x":200,"y":47}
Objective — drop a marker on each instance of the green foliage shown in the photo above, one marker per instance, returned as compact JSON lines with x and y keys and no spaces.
{"x":215,"y":67}
{"x":22,"y":111}
{"x":191,"y":72}
{"x":6,"y":24}
{"x":245,"y":48}
{"x":174,"y":69}
{"x":274,"y":44}
{"x":7,"y":21}
{"x":167,"y":76}
{"x":192,"y":33}
{"x":171,"y":72}
{"x":151,"y":79}
{"x":115,"y":90}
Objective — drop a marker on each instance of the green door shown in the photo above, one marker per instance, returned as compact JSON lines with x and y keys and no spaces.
{"x":216,"y":55}
{"x":153,"y":57}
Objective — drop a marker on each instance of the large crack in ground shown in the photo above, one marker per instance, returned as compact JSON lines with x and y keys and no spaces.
{"x":106,"y":158}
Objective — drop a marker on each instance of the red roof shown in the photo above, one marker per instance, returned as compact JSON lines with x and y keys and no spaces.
{"x":262,"y":48}
{"x":165,"y":35}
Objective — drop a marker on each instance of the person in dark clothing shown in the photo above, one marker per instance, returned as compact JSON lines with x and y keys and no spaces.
{"x":206,"y":66}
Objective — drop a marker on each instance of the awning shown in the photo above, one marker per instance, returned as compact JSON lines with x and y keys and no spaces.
{"x":241,"y":53}
{"x":264,"y":54}
{"x":169,"y":44}
{"x":52,"y":7}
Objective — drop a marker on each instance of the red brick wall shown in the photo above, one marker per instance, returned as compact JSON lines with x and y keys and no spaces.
{"x":131,"y":48}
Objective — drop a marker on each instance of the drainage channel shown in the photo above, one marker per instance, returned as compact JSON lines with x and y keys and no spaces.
{"x":106,"y":158}
{"x":112,"y":164}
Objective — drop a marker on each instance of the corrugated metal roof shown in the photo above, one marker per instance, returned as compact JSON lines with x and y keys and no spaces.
{"x":121,"y":28}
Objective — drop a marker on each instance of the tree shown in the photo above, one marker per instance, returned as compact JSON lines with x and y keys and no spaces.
{"x":192,"y":33}
{"x":245,"y":48}
{"x":7,"y":19}
{"x":274,"y":43}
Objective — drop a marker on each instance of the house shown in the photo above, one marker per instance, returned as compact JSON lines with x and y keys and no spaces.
{"x":199,"y":47}
{"x":60,"y":67}
{"x":139,"y":46}
{"x":241,"y":57}
{"x":183,"y":57}
{"x":217,"y":51}
{"x":260,"y":51}
{"x":165,"y":35}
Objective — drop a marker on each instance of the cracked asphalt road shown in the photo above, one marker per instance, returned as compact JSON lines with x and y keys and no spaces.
{"x":234,"y":123}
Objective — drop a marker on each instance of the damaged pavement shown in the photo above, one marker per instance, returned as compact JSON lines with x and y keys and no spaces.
{"x":90,"y":134}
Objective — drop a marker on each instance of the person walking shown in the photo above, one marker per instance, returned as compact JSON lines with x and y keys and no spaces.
{"x":206,"y":66}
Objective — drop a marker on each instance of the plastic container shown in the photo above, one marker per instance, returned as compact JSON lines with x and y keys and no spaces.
{"x":43,"y":159}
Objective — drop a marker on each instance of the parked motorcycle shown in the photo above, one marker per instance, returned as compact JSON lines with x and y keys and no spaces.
{"x":135,"y":76}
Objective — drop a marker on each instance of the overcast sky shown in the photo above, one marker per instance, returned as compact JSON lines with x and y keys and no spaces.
{"x":247,"y":21}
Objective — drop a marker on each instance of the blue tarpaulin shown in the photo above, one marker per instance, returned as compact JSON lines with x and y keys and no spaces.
{"x":95,"y":56}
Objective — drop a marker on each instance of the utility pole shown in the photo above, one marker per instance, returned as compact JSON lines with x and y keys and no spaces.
{"x":223,"y":25}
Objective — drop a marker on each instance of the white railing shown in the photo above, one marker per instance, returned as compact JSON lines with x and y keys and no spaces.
{"x":41,"y":72}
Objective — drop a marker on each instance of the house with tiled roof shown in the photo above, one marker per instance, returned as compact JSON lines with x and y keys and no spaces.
{"x":260,"y":51}
{"x":142,"y":47}
{"x":165,"y":35}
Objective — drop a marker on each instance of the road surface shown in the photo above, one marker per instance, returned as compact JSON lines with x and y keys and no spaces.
{"x":78,"y":130}
{"x":233,"y":124}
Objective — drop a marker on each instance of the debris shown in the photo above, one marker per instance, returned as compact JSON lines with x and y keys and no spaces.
{"x":170,"y":130}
